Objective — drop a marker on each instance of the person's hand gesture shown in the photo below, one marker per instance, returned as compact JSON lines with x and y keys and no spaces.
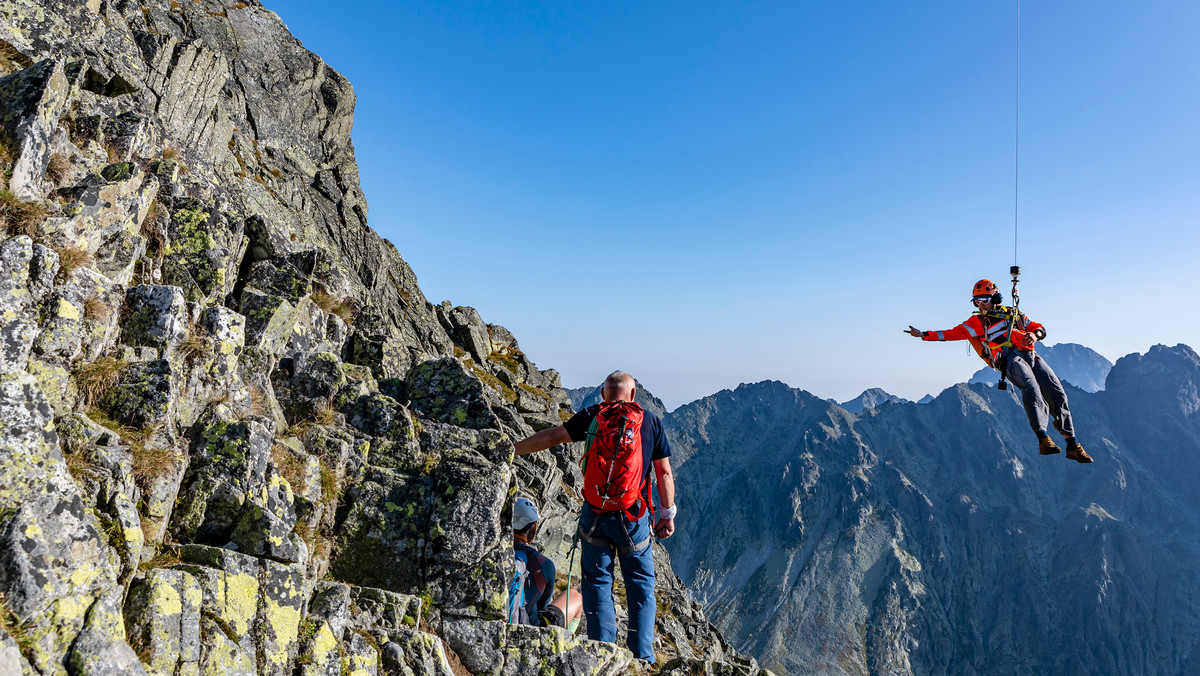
{"x":664,"y":528}
{"x":915,"y":333}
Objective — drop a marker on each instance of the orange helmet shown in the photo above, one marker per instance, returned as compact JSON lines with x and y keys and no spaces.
{"x":983,"y":287}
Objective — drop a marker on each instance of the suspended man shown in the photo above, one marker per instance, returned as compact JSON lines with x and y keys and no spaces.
{"x":1005,"y":338}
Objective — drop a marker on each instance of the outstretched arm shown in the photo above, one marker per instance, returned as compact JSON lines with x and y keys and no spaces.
{"x":543,"y":440}
{"x":965,"y":331}
{"x":664,"y":528}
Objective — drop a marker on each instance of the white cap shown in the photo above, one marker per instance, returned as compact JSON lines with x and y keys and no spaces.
{"x":524,"y":513}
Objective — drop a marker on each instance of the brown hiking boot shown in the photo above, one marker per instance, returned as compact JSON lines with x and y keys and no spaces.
{"x":1075,"y":452}
{"x":1046,"y":446}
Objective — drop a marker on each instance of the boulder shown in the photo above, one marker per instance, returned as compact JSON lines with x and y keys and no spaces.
{"x":162,"y":617}
{"x":228,"y":468}
{"x":33,"y":99}
{"x":443,"y":389}
{"x":145,"y":395}
{"x":205,"y":247}
{"x":306,"y":384}
{"x":16,"y":254}
{"x":54,"y":563}
{"x":157,"y":317}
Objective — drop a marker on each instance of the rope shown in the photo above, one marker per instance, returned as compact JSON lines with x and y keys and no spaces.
{"x":570,"y":567}
{"x":1017,"y":141}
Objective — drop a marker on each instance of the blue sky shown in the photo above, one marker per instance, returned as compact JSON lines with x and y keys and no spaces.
{"x":706,"y":193}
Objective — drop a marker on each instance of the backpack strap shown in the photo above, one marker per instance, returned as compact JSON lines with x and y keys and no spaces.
{"x":591,"y":436}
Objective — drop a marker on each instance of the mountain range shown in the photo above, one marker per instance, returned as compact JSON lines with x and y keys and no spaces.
{"x":933,"y":539}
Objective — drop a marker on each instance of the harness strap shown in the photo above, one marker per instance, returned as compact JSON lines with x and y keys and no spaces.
{"x":604,"y":543}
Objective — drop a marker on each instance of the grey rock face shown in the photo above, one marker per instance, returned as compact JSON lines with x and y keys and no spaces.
{"x":34,"y":99}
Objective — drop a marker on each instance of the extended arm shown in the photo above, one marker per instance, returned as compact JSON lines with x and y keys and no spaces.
{"x":543,"y":440}
{"x":666,"y":496}
{"x":972,"y":328}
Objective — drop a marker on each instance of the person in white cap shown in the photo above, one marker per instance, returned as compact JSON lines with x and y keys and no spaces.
{"x":537,"y":588}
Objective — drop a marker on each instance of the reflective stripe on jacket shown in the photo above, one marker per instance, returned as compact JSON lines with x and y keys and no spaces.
{"x":988,"y":333}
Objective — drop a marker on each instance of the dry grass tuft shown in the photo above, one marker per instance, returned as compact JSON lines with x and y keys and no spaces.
{"x":195,"y":345}
{"x":19,"y":217}
{"x":345,"y":308}
{"x":329,"y":487}
{"x":70,"y":259}
{"x":96,"y":378}
{"x":149,"y":462}
{"x":170,"y":153}
{"x":290,"y":467}
{"x":168,"y":556}
{"x":325,"y":416}
{"x":58,"y":169}
{"x":78,"y":465}
{"x":21,"y":632}
{"x":113,"y":152}
{"x":258,"y":401}
{"x":8,"y":154}
{"x":96,"y":309}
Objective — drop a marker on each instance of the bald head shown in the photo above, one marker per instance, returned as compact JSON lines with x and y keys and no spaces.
{"x":618,"y":386}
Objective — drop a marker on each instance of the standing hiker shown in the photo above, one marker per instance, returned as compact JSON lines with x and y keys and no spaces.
{"x":623,"y":442}
{"x":533,"y":582}
{"x":1005,"y":338}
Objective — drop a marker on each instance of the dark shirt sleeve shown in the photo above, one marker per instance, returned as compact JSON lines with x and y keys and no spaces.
{"x":662,"y":447}
{"x":577,"y":426}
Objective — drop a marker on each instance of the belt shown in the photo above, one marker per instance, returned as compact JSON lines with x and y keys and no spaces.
{"x":604,"y":543}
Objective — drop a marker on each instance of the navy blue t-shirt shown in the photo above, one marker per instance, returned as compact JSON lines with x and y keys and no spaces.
{"x":654,"y":439}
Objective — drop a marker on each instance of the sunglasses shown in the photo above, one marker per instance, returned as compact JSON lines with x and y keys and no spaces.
{"x":977,"y":301}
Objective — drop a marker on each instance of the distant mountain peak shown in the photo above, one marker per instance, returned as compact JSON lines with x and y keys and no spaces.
{"x":870,"y":398}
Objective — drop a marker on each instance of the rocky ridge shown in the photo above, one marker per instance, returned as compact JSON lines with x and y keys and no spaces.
{"x":235,"y":438}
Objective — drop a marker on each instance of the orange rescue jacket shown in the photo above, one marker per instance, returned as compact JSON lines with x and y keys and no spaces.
{"x":989,"y":333}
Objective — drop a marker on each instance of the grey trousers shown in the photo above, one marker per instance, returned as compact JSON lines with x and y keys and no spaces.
{"x":1041,"y":391}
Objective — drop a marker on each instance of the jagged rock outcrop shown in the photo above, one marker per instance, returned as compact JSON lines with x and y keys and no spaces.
{"x":933,"y":539}
{"x":235,"y":438}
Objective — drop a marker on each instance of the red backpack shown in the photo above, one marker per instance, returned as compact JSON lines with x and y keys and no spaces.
{"x":613,"y":480}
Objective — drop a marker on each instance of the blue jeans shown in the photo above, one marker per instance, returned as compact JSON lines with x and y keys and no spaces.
{"x":637,"y":567}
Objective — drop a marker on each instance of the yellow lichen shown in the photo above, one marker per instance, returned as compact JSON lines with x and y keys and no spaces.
{"x":241,"y":600}
{"x":324,"y":644}
{"x":285,"y":621}
{"x":166,"y":599}
{"x":67,"y":310}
